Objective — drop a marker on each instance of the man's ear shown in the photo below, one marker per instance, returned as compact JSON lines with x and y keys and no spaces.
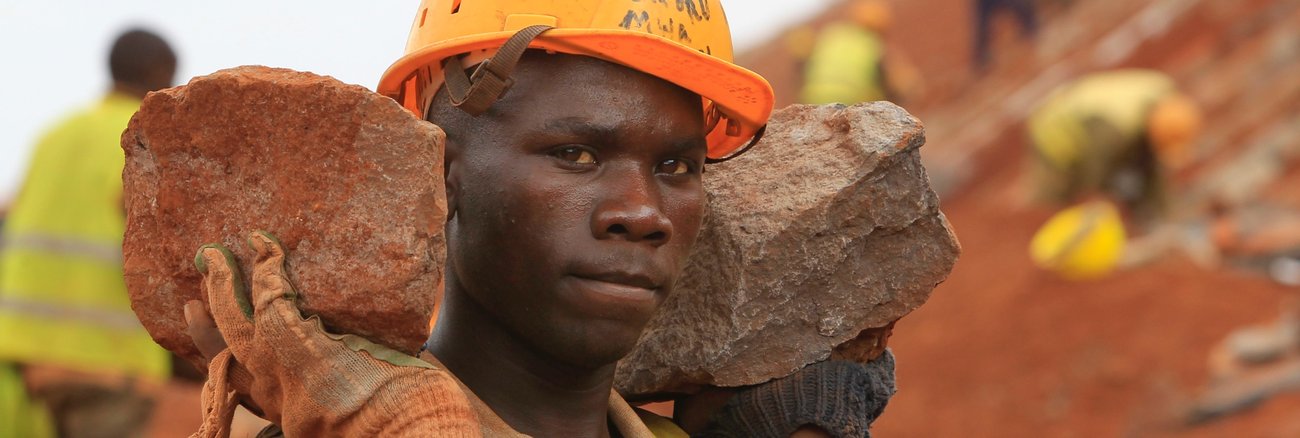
{"x":451,"y":175}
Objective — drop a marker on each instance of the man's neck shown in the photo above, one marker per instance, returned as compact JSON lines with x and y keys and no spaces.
{"x":129,"y":90}
{"x":535,"y":394}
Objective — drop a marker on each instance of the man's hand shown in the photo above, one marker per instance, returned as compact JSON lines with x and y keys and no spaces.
{"x":289,"y":369}
{"x":836,"y":398}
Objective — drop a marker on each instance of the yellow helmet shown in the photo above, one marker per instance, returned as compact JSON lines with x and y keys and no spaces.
{"x":1172,"y":127}
{"x":685,"y":42}
{"x":872,"y":14}
{"x":1081,"y":242}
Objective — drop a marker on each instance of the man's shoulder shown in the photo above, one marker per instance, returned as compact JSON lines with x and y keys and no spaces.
{"x":441,"y":376}
{"x":460,"y":397}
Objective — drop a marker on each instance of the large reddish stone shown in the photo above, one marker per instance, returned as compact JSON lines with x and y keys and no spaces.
{"x":349,"y":181}
{"x":815,"y":243}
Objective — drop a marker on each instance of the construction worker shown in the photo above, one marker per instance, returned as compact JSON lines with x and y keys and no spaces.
{"x":847,"y":64}
{"x":568,"y":225}
{"x":1109,"y":138}
{"x":72,"y":351}
{"x":1114,"y":134}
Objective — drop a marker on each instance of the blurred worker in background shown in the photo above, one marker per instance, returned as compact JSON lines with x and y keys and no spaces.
{"x":798,"y":42}
{"x":986,"y":11}
{"x":1107,"y":140}
{"x":72,"y":352}
{"x":848,"y":64}
{"x":1115,"y":135}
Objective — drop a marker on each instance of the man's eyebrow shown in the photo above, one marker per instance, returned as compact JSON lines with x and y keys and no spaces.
{"x":689,"y":146}
{"x":583,"y":127}
{"x":609,"y":134}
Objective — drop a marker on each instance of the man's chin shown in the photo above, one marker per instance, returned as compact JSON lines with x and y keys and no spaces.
{"x":594,"y":348}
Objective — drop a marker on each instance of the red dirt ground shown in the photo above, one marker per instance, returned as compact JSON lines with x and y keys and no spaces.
{"x":1002,"y":349}
{"x":1005,"y":350}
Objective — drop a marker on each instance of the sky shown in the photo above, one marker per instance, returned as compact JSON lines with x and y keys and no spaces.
{"x":55,"y":52}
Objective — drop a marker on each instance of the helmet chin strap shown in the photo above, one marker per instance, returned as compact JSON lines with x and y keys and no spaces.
{"x":758,"y":135}
{"x":475,"y":93}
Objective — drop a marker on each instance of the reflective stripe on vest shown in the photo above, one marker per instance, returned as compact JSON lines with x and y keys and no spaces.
{"x":104,"y":318}
{"x":63,"y":247}
{"x":63,"y":298}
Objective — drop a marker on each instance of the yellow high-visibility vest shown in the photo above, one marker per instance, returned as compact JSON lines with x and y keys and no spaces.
{"x":844,"y":66}
{"x":1121,"y":98}
{"x":63,"y":300}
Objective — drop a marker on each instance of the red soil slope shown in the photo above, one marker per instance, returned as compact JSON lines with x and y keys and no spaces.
{"x":1005,"y":350}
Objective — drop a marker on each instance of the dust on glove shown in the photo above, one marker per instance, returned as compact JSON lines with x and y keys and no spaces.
{"x":306,"y":380}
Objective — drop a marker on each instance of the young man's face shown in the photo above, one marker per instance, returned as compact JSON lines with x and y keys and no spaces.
{"x":577,"y":200}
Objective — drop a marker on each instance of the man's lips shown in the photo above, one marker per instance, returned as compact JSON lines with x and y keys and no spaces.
{"x":619,"y":286}
{"x":637,"y":280}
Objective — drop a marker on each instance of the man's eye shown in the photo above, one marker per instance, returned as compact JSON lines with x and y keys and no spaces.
{"x":576,"y":155}
{"x":675,"y":167}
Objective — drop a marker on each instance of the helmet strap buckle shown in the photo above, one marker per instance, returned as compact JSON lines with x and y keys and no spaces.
{"x":758,"y":136}
{"x":474,"y":94}
{"x":486,"y":72}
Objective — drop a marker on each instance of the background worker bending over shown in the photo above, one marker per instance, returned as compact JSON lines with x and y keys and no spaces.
{"x":1107,"y":142}
{"x":1115,"y":134}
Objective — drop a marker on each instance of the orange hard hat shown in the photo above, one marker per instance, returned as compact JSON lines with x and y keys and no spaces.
{"x":685,"y":42}
{"x":1172,"y":127}
{"x":871,"y":14}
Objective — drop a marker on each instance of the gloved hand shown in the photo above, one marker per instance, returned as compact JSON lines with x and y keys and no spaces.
{"x":310,"y":382}
{"x":839,"y":397}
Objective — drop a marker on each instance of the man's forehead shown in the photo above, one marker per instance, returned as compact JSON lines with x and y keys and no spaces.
{"x":580,"y":95}
{"x":576,"y":74}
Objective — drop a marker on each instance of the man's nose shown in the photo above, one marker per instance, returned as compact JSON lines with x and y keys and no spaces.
{"x":632,"y":212}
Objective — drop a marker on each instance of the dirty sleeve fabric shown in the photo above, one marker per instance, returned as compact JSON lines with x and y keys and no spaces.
{"x":310,"y":382}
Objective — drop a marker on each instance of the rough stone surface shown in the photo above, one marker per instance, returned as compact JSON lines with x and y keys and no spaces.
{"x":815,"y":243}
{"x":349,"y":181}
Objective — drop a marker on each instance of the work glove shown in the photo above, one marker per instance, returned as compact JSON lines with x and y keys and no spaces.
{"x":309,"y":382}
{"x":839,"y":397}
